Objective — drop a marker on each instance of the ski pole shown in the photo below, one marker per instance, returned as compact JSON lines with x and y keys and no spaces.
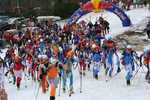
{"x":25,"y":80}
{"x":59,"y":86}
{"x":138,"y":64}
{"x":116,"y":74}
{"x":37,"y":91}
{"x":80,"y":73}
{"x":75,"y":66}
{"x":136,"y":73}
{"x":118,"y":63}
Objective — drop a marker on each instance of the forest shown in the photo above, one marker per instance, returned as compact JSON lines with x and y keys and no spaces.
{"x":63,"y":8}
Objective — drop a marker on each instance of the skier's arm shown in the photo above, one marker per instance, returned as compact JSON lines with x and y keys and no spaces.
{"x":135,"y":55}
{"x":141,"y":59}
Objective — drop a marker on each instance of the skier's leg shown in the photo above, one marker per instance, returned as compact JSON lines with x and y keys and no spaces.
{"x":149,"y":70}
{"x":18,"y":78}
{"x":94,"y":70}
{"x":53,"y":91}
{"x":148,"y":34}
{"x":84,"y":68}
{"x":44,"y":84}
{"x":128,"y":73}
{"x":71,"y":81}
{"x":111,"y":70}
{"x":147,"y":74}
{"x":64,"y":83}
{"x":107,"y":67}
{"x":13,"y":76}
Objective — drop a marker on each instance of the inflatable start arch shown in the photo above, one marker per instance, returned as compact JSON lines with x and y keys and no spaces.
{"x":96,"y":6}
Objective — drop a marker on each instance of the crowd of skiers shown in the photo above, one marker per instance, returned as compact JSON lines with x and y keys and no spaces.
{"x":49,"y":54}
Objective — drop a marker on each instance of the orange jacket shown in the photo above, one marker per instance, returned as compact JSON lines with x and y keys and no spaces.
{"x":52,"y":71}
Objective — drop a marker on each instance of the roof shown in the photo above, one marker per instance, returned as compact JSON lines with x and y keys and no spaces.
{"x":54,"y":18}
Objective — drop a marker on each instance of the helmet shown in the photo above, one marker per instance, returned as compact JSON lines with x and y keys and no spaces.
{"x":29,"y":41}
{"x":47,"y":36}
{"x":94,"y":46}
{"x":108,"y":37}
{"x":60,"y":49}
{"x":53,"y":60}
{"x":41,"y":40}
{"x":129,"y":46}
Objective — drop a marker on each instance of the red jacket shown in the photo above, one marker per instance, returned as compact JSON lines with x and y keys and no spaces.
{"x":18,"y":66}
{"x":148,"y":58}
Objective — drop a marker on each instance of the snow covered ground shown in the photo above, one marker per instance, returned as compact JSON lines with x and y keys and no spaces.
{"x":115,"y":89}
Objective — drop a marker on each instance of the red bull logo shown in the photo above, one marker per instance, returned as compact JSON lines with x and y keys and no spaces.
{"x":96,"y":6}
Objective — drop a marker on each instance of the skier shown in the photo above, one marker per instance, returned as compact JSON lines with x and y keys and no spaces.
{"x":52,"y":76}
{"x":96,"y":60}
{"x":82,"y":63}
{"x":148,"y":30}
{"x":43,"y":65}
{"x":109,"y":49}
{"x":128,"y":61}
{"x":67,"y":72}
{"x":146,"y":62}
{"x":42,"y":47}
{"x":18,"y":68}
{"x":28,"y":64}
{"x":128,"y":4}
{"x":8,"y":62}
{"x":3,"y":94}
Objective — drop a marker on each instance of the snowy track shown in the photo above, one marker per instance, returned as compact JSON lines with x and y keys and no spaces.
{"x":115,"y":89}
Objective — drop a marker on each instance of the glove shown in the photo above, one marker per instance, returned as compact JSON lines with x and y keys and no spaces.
{"x":138,"y":58}
{"x":118,"y":70}
{"x":41,"y":76}
{"x":140,"y":64}
{"x":59,"y":74}
{"x":60,"y":67}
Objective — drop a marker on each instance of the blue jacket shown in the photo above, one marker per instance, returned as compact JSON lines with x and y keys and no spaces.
{"x":127,"y":58}
{"x":96,"y":57}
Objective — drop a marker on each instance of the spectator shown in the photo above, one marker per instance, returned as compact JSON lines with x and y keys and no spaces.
{"x":148,"y":30}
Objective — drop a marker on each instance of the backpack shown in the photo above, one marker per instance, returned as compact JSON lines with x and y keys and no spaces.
{"x":147,"y":58}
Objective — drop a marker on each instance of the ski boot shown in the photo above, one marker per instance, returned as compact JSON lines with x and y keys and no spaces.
{"x":106,"y":71}
{"x":64,"y":90}
{"x":18,"y":86}
{"x":71,"y":92}
{"x":88,"y":67}
{"x":118,"y":70}
{"x":83,"y":73}
{"x":52,"y":97}
{"x":96,"y":76}
{"x":128,"y":83}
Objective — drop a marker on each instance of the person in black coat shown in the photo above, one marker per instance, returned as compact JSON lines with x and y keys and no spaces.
{"x":148,"y":30}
